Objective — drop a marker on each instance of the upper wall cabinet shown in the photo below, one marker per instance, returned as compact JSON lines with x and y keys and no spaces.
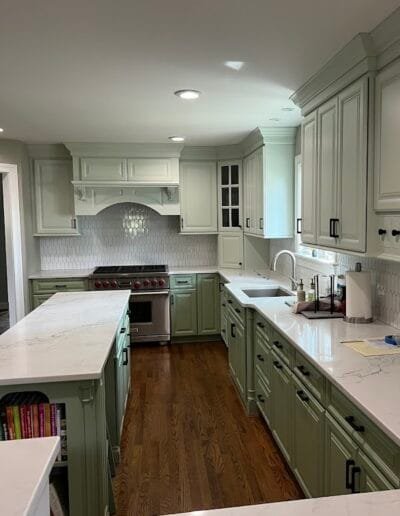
{"x":268,"y":184}
{"x":334,"y":171}
{"x":54,"y":198}
{"x":230,"y":196}
{"x":198,"y":197}
{"x":387,"y":148}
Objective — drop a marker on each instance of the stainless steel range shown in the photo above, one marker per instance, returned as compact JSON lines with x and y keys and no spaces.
{"x":149,"y":301}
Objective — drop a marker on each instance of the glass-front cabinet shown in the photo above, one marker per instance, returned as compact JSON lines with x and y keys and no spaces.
{"x":230,"y":196}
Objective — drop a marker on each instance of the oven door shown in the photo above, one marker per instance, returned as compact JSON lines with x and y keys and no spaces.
{"x":150,"y":319}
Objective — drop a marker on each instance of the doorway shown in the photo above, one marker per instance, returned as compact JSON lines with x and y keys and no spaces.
{"x":13,"y":248}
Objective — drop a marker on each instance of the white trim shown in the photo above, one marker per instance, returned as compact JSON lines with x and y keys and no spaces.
{"x":13,"y":234}
{"x":309,"y":262}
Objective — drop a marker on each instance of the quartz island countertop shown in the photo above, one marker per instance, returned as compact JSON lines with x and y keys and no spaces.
{"x":25,"y":466}
{"x":67,"y":338}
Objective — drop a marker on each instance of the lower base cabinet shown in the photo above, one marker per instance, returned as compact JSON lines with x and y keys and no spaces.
{"x":308,"y":448}
{"x":224,"y":317}
{"x":237,"y":354}
{"x":184,"y":313}
{"x":371,"y":479}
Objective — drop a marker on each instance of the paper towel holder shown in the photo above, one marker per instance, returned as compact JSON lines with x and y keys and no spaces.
{"x":358,"y":320}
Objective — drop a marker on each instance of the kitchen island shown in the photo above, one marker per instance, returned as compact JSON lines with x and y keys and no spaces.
{"x":72,"y":352}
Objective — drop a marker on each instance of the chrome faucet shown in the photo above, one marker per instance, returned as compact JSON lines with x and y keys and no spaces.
{"x":292,"y":256}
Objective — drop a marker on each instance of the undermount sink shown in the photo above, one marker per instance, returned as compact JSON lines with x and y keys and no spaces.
{"x":268,"y":292}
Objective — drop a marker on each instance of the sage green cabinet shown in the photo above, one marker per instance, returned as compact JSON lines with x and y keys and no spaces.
{"x":237,"y":353}
{"x":208,"y":304}
{"x":184,"y":312}
{"x":371,"y":479}
{"x":308,"y":443}
{"x":340,"y":455}
{"x":43,"y":289}
{"x":224,"y":316}
{"x":282,"y":406}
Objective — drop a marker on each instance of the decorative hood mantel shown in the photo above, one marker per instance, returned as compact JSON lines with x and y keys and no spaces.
{"x":110,"y":173}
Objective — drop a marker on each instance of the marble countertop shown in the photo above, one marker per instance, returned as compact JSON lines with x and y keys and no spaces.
{"x":67,"y":338}
{"x":61,"y":273}
{"x":367,"y":504}
{"x":25,"y":465}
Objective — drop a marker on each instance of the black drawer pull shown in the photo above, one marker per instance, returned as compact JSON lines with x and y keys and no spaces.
{"x":354,"y":426}
{"x":260,"y":358}
{"x":233,"y":333}
{"x":260,"y":325}
{"x":60,"y":286}
{"x":382,"y":231}
{"x":247,"y":222}
{"x":122,"y":330}
{"x":223,"y":304}
{"x":395,"y":232}
{"x":277,"y":364}
{"x":277,"y":344}
{"x":237,"y":310}
{"x":303,"y":396}
{"x":354,"y":471}
{"x":126,"y":360}
{"x":260,"y":398}
{"x":349,"y":463}
{"x":303,"y":370}
{"x":182,"y":282}
{"x":230,"y":301}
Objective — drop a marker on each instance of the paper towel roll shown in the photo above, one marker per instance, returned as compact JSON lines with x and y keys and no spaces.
{"x":358,"y":297}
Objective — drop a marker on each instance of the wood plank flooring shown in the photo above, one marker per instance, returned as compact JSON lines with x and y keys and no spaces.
{"x":187,"y":443}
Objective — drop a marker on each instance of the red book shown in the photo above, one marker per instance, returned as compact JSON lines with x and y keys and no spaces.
{"x":22,"y":417}
{"x":28,"y":413}
{"x":47,"y":420}
{"x":35,"y":420}
{"x":53,"y":417}
{"x":41,"y":419}
{"x":10,"y":423}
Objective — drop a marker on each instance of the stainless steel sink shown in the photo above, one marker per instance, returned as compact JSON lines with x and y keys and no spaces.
{"x":268,"y":292}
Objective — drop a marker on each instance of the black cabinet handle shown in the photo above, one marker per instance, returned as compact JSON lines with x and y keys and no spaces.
{"x":277,"y":364}
{"x":237,"y":310}
{"x":247,"y":222}
{"x":260,"y":398}
{"x":223,"y":330}
{"x":298,"y":226}
{"x":233,"y":334}
{"x":122,"y":330}
{"x":333,"y":228}
{"x":240,"y":263}
{"x":260,"y":325}
{"x":303,"y":370}
{"x":260,"y":358}
{"x":382,"y":231}
{"x":354,"y":426}
{"x":261,"y":225}
{"x":277,"y":344}
{"x":229,"y":301}
{"x":355,"y":470}
{"x":395,"y":232}
{"x":349,"y":463}
{"x":303,"y":396}
{"x":223,"y":304}
{"x":125,"y":351}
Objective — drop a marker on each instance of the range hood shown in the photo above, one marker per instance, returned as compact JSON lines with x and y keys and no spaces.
{"x":107,"y":174}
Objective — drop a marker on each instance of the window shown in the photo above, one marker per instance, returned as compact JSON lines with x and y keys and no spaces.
{"x":308,"y":252}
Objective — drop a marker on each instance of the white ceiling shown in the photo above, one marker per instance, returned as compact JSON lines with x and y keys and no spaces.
{"x":103,"y":70}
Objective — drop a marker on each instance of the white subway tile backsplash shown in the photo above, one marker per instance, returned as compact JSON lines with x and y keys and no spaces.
{"x":127,"y":234}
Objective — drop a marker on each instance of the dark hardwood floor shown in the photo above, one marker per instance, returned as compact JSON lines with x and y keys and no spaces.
{"x":187,"y":442}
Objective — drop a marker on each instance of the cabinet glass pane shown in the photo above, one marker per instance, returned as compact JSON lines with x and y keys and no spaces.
{"x":235,"y":217}
{"x":234,"y":196}
{"x":234,"y":174}
{"x":225,"y":175}
{"x":225,"y":218}
{"x":225,"y":196}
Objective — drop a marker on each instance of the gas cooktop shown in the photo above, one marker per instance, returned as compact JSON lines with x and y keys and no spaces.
{"x":117,"y":270}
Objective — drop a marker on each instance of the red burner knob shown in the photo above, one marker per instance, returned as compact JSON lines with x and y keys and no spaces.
{"x":137,"y":284}
{"x":97,"y":284}
{"x":114,"y":284}
{"x":154,"y":282}
{"x":106,"y":284}
{"x":146,"y":283}
{"x":161,"y":282}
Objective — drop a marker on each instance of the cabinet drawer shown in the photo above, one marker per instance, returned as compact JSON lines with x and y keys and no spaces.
{"x":263,"y":398}
{"x":39,"y":299}
{"x":310,"y":376}
{"x":236,"y":309}
{"x":262,"y":357}
{"x":182,"y":281}
{"x":282,"y":347}
{"x":376,"y":444}
{"x":263,"y":327}
{"x":59,"y":285}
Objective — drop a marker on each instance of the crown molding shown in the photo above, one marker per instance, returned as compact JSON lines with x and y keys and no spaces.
{"x":125,"y":150}
{"x":48,"y":151}
{"x":268,"y":135}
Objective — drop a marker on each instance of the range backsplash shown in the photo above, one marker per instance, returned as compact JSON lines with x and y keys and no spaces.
{"x":385,"y":279}
{"x":125,"y":234}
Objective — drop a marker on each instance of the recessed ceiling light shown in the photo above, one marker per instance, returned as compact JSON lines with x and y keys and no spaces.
{"x":1,"y":130}
{"x":288,"y":109}
{"x":176,"y":138}
{"x":188,"y":94}
{"x":234,"y":65}
{"x":274,"y":119}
